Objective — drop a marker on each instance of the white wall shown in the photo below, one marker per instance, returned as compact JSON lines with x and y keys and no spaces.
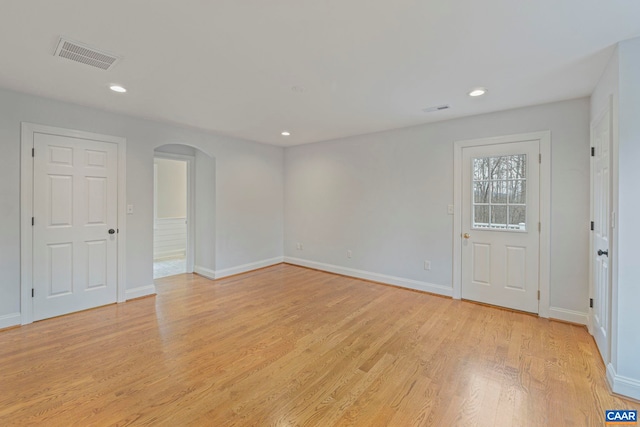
{"x":248,"y":181}
{"x":627,"y":289}
{"x":184,"y":150}
{"x":171,"y":191}
{"x":385,"y":195}
{"x":205,"y":208}
{"x":622,"y":81}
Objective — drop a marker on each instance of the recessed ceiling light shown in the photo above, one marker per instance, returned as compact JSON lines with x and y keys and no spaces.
{"x":478,"y":91}
{"x":286,"y":133}
{"x":117,"y":88}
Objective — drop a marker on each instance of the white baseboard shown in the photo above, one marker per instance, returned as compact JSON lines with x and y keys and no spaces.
{"x":569,"y":315}
{"x":623,"y":385}
{"x":248,"y":267}
{"x":8,"y":320}
{"x":212,"y":274}
{"x":202,"y":271}
{"x":376,"y":277}
{"x":141,"y":291}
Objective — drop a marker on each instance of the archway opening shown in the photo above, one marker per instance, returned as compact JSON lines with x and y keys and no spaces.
{"x":184,"y":211}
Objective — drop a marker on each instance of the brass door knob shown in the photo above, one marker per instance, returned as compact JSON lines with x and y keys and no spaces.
{"x":466,"y":235}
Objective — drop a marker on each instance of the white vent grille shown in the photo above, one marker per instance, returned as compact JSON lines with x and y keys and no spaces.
{"x":436,"y":108}
{"x":85,"y":54}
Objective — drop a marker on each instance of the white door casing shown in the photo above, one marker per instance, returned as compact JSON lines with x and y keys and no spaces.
{"x":72,"y":194}
{"x":602,"y":137}
{"x":518,"y":286}
{"x":500,"y":218}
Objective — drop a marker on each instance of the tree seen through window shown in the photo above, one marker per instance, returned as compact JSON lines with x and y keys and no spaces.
{"x":500,"y":192}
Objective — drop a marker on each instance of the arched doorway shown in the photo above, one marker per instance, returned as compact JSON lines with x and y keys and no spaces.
{"x":184,"y":211}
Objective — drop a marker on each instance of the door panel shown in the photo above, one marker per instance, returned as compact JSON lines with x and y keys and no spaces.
{"x":500,"y":215}
{"x":516,"y":268}
{"x":481,"y":263}
{"x":601,"y":199}
{"x":75,"y":204}
{"x":61,"y":262}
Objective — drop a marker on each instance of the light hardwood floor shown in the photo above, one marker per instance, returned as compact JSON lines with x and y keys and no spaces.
{"x":288,"y":346}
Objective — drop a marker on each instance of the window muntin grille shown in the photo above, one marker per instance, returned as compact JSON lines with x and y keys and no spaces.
{"x":500,"y":193}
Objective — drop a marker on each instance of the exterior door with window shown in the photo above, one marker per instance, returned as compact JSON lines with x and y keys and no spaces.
{"x":500,"y":224}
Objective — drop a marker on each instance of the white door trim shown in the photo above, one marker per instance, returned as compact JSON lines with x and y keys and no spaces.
{"x":191,"y":196}
{"x":608,"y":109}
{"x":26,"y":208}
{"x":545,"y":209}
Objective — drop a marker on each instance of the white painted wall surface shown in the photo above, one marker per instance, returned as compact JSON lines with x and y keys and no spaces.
{"x":171,"y":189}
{"x":184,"y":150}
{"x":205,"y":218}
{"x":607,"y":85}
{"x":627,"y":295}
{"x":385,"y":195}
{"x":249,"y":180}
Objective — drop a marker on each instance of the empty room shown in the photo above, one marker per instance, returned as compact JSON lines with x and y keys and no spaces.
{"x":288,"y":213}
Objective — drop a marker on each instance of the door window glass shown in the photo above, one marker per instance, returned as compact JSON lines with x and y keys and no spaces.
{"x":500,"y":192}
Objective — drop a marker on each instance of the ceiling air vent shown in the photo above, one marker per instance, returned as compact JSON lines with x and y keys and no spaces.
{"x":85,"y":54}
{"x":436,"y":108}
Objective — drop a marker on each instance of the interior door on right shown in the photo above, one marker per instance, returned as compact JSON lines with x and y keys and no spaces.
{"x":601,"y":199}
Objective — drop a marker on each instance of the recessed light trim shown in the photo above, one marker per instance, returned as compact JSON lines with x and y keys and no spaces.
{"x":117,"y":88}
{"x":479,"y":91}
{"x":285,"y":133}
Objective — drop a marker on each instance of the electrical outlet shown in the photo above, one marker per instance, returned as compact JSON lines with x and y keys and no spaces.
{"x":129,"y":209}
{"x":427,"y":265}
{"x":450,"y":209}
{"x":298,"y":246}
{"x":349,"y":253}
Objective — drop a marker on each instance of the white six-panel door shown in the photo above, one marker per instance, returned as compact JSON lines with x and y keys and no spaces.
{"x":601,"y":185}
{"x":75,"y":199}
{"x":500,"y":220}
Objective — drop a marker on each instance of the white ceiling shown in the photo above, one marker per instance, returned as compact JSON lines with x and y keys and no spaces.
{"x":365,"y":65}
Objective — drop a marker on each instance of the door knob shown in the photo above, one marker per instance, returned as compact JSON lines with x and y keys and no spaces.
{"x":601,"y":252}
{"x":112,"y":231}
{"x":466,"y":235}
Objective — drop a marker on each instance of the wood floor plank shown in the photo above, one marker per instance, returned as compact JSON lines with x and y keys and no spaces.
{"x":292,"y":346}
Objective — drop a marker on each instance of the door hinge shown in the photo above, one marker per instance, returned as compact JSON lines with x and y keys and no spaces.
{"x":33,"y":293}
{"x":540,"y":158}
{"x":593,"y":226}
{"x":33,"y":221}
{"x":538,"y":295}
{"x":539,"y":226}
{"x":593,"y":151}
{"x":590,"y":302}
{"x":118,"y":230}
{"x":33,"y":152}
